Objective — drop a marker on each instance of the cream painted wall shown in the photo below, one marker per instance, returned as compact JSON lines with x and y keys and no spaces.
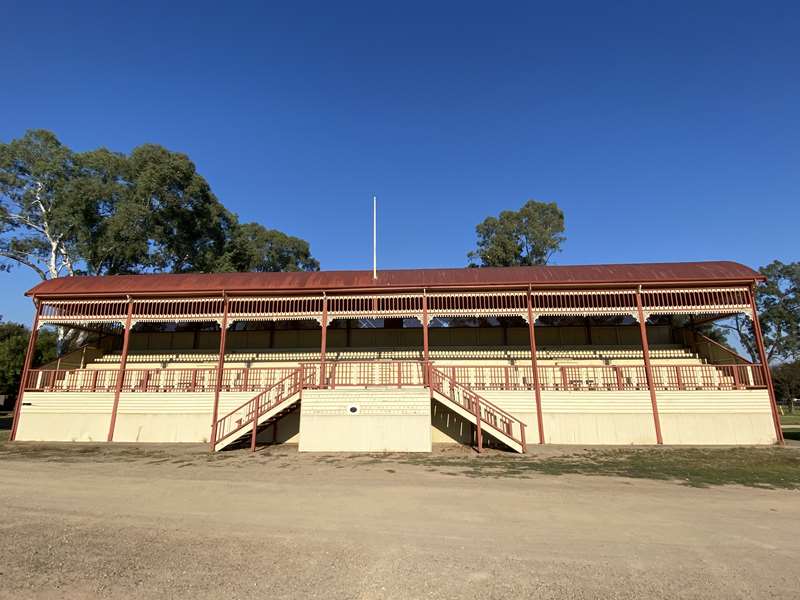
{"x":388,"y":420}
{"x":589,"y":417}
{"x":65,"y":417}
{"x":719,"y":417}
{"x":170,"y":417}
{"x":164,"y":417}
{"x":392,"y":419}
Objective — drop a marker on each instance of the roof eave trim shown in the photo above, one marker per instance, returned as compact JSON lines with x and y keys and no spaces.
{"x":389,"y":288}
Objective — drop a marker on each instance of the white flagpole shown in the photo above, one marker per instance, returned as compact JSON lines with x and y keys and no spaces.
{"x":374,"y":237}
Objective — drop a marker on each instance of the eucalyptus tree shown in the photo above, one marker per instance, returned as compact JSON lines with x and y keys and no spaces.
{"x":528,"y":236}
{"x":101,"y":212}
{"x":40,"y":205}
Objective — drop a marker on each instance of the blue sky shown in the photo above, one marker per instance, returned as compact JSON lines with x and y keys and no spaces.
{"x":665,"y":131}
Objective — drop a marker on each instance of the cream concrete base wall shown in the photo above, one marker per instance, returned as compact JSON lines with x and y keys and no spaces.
{"x":164,"y":417}
{"x":150,"y":427}
{"x":600,"y":429}
{"x":589,"y":417}
{"x":65,"y":417}
{"x":171,"y":417}
{"x":141,"y":417}
{"x":598,"y":417}
{"x":393,"y":419}
{"x":718,"y":417}
{"x":388,"y":420}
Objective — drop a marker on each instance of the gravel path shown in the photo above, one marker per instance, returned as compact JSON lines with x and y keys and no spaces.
{"x":175,"y":522}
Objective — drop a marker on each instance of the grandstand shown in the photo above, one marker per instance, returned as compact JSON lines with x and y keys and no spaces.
{"x":338,"y":361}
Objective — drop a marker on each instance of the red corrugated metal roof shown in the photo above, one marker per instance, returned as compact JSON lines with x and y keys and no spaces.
{"x":715,"y":272}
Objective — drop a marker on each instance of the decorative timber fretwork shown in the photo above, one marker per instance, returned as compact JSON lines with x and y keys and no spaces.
{"x":376,"y":306}
{"x":84,"y":311}
{"x":275,"y":308}
{"x":177,"y":310}
{"x":583,"y":303}
{"x":339,"y":307}
{"x":698,"y":301}
{"x":478,"y":304}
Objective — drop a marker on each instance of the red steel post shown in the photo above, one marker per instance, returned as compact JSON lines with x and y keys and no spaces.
{"x":537,"y":388}
{"x":123,"y":363}
{"x":648,"y":368}
{"x":425,"y":347}
{"x":478,"y":431}
{"x":762,"y":357}
{"x":25,"y":368}
{"x":323,"y":341}
{"x":223,"y":334}
{"x":254,"y":433}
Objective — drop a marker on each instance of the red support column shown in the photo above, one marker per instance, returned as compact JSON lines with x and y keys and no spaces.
{"x":123,"y":362}
{"x":223,"y":335}
{"x":537,"y":388}
{"x":425,"y":357}
{"x":648,"y":368}
{"x":254,"y":432}
{"x":762,"y":357}
{"x":25,"y":368}
{"x":323,"y":341}
{"x":478,"y":429}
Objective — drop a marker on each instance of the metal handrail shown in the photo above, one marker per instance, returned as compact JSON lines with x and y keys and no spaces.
{"x":483,"y":410}
{"x":250,"y":411}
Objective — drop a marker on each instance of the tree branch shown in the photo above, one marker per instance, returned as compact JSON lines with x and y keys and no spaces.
{"x":24,"y":261}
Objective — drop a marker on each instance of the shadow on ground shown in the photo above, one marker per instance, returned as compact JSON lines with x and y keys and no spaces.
{"x":760,"y":467}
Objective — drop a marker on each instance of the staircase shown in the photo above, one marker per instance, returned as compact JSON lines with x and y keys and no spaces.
{"x":285,"y":395}
{"x":263,"y":409}
{"x":486,"y":416}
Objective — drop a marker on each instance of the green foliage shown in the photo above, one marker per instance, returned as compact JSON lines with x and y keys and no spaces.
{"x":529,"y":236}
{"x":778,"y":302}
{"x":256,"y":248}
{"x":786,"y":378}
{"x":102,"y":212}
{"x":778,"y":305}
{"x":13,"y":347}
{"x":41,"y":203}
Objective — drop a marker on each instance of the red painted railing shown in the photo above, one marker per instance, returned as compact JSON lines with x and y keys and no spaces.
{"x":153,"y":380}
{"x":249,"y":412}
{"x":72,"y":380}
{"x":369,"y":373}
{"x":610,"y":378}
{"x":253,"y":380}
{"x":169,"y":380}
{"x":485,"y":411}
{"x":407,"y":373}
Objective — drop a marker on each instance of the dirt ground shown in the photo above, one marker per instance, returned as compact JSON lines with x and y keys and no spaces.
{"x":95,"y":521}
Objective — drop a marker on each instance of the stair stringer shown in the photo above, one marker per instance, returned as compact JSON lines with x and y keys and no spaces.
{"x":485,"y":426}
